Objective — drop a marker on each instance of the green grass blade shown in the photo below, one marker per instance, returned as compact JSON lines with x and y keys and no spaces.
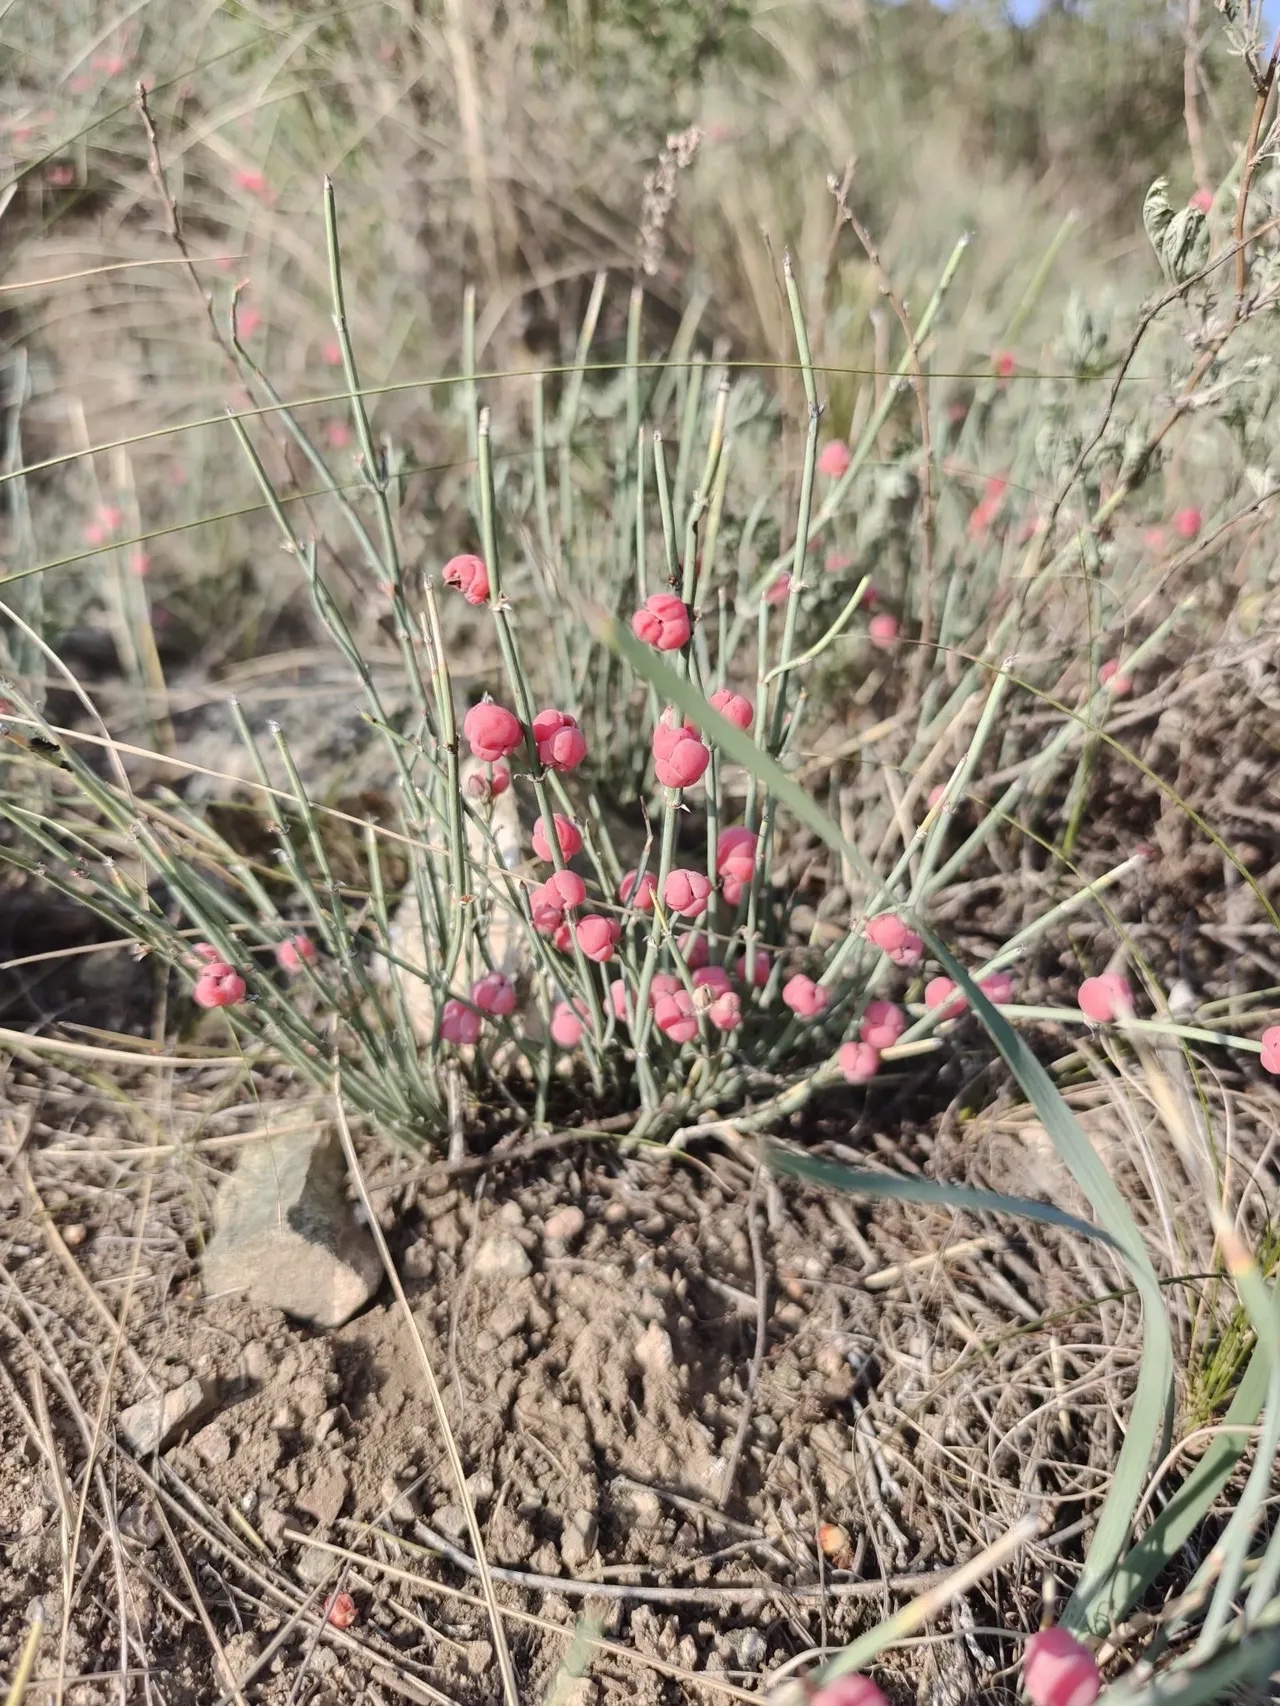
{"x":1107,"y":1583}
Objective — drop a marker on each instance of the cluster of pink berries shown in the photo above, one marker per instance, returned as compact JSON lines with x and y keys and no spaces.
{"x":218,"y":984}
{"x":494,"y":733}
{"x":492,"y":996}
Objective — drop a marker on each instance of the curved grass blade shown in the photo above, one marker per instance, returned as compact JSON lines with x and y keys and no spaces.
{"x":1107,"y":1584}
{"x":864,"y":1181}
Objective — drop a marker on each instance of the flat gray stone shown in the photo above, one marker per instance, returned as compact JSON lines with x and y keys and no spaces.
{"x":155,"y":1423}
{"x":284,"y":1233}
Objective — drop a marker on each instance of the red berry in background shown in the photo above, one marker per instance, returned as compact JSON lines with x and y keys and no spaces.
{"x":494,"y":994}
{"x":858,"y":1062}
{"x":219,"y":985}
{"x":941,"y":992}
{"x":834,"y":458}
{"x":459,"y":1024}
{"x":882,"y":1024}
{"x":675,"y":1016}
{"x":805,"y":998}
{"x":1058,"y":1670}
{"x":892,"y":937}
{"x":1270,"y":1040}
{"x":1187,"y":522}
{"x":567,"y":1023}
{"x":290,"y":954}
{"x":849,"y":1691}
{"x":1105,"y":998}
{"x":648,"y":887}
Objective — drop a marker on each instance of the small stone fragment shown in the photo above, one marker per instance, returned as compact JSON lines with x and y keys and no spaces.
{"x":578,"y":1541}
{"x":501,"y":1256}
{"x":565,"y":1225}
{"x":285,"y":1235}
{"x":155,"y":1423}
{"x":239,"y":1651}
{"x":325,"y":1495}
{"x":212,"y":1445}
{"x":450,"y":1520}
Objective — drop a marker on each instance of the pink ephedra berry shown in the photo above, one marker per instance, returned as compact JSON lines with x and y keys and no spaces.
{"x":1201,"y":200}
{"x":1110,"y":677}
{"x":675,"y":1016}
{"x":805,"y":998}
{"x":340,"y":1610}
{"x":492,"y":731}
{"x":598,"y":937}
{"x":778,"y":588}
{"x":469,"y":575}
{"x":567,"y":1022}
{"x":549,"y":902}
{"x":494,"y":994}
{"x":643,"y":888}
{"x":482,"y":788}
{"x":736,"y":853}
{"x":834,"y":458}
{"x":560,"y":742}
{"x":291,"y":953}
{"x":892,"y":937}
{"x":759,"y":970}
{"x":662,"y":622}
{"x":714,"y":978}
{"x":997,"y":987}
{"x":219,"y":985}
{"x":849,"y":1691}
{"x":618,"y":999}
{"x":567,"y":834}
{"x":1105,"y":998}
{"x":725,"y":1012}
{"x":459,"y":1024}
{"x":882,"y":630}
{"x":1187,"y":522}
{"x":692,"y":949}
{"x":941,"y":992}
{"x":1058,"y":1670}
{"x":679,"y":755}
{"x":1270,"y":1040}
{"x":858,"y":1062}
{"x":882,"y":1023}
{"x":733,"y":707}
{"x":686,"y":892}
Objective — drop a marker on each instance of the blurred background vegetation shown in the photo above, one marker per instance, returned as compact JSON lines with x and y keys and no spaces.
{"x":508,"y":147}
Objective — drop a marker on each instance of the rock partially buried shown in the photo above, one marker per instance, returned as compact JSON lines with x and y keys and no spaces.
{"x":156,"y":1422}
{"x":285,"y":1234}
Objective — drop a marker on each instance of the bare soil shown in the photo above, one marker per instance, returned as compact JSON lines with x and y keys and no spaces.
{"x":592,"y":1319}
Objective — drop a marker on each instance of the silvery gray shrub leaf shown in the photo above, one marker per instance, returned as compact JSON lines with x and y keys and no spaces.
{"x":1157,"y":214}
{"x":1184,"y":247}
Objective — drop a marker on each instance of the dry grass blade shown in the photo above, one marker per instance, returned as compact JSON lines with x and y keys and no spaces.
{"x":26,"y":1664}
{"x":500,"y":1647}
